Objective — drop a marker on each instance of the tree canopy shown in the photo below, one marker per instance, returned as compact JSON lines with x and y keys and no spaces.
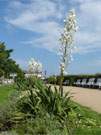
{"x":7,"y":64}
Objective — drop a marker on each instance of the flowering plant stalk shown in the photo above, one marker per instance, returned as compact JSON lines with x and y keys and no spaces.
{"x":67,"y":46}
{"x":35,"y":67}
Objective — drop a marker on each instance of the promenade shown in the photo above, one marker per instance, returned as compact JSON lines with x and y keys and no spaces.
{"x":87,"y":97}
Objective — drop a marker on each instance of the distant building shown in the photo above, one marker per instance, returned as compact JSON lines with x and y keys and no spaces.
{"x":29,"y":74}
{"x":13,"y":75}
{"x":9,"y":80}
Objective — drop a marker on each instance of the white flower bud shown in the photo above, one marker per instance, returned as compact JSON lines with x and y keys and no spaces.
{"x":64,"y":20}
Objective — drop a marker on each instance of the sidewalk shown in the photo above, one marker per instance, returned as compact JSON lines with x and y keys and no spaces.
{"x":86,"y":97}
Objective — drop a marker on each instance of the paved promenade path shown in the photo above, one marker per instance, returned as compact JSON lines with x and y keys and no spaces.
{"x":86,"y":97}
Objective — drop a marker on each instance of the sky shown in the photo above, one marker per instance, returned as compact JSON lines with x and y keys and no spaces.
{"x":32,"y":28}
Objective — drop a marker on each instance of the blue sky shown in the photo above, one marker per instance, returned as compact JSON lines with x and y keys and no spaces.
{"x":32,"y":29}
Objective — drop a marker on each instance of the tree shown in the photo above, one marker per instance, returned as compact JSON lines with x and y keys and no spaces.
{"x":7,"y":64}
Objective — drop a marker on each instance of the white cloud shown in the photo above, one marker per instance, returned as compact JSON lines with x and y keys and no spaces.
{"x":88,"y":38}
{"x":42,"y":17}
{"x":88,"y":41}
{"x":50,"y":34}
{"x":97,"y":62}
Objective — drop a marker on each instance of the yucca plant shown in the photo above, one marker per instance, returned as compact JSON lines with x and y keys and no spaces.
{"x":41,"y":98}
{"x":38,"y":94}
{"x":66,"y":48}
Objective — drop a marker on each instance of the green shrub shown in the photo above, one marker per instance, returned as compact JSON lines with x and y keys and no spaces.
{"x":36,"y":108}
{"x":7,"y":112}
{"x":40,"y":98}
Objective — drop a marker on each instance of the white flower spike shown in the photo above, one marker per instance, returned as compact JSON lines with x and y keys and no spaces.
{"x":67,"y":37}
{"x":66,"y":48}
{"x":35,"y":66}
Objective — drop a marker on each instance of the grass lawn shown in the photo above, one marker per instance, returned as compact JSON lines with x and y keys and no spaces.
{"x":5,"y":92}
{"x":88,"y":113}
{"x":85,"y":131}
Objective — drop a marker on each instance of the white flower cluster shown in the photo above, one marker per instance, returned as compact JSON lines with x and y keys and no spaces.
{"x":66,"y":39}
{"x":35,"y":66}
